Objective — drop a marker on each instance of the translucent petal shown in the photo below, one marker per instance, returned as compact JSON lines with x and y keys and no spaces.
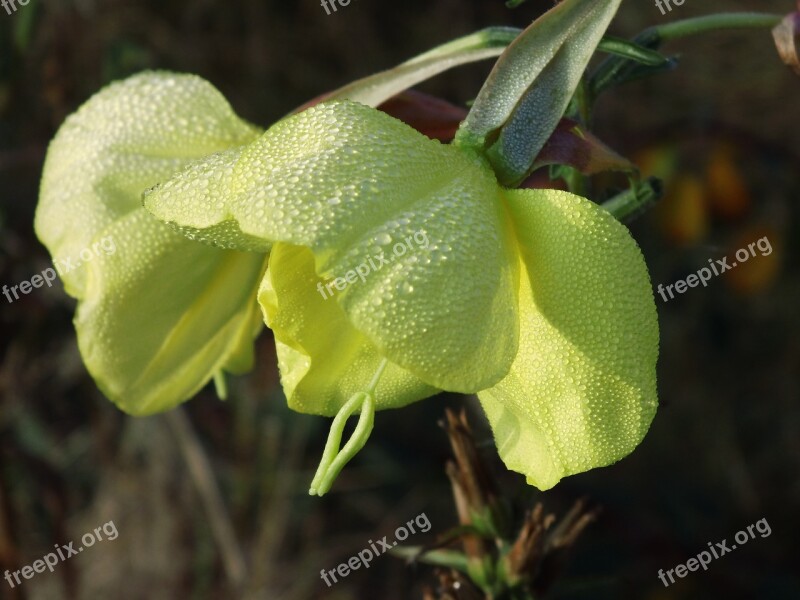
{"x":353,"y":184}
{"x":208,"y":182}
{"x":127,"y":137}
{"x":582,"y":390}
{"x":160,"y":315}
{"x":163,"y":314}
{"x":323,"y":359}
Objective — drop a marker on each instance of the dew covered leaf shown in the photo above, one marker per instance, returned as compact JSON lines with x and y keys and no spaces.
{"x":380,"y":87}
{"x":531,"y":85}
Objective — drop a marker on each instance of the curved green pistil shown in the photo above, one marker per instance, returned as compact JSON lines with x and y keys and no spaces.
{"x":334,"y":460}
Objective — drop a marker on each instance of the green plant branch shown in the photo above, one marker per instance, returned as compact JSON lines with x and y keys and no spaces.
{"x":615,"y":70}
{"x":634,"y":201}
{"x":697,"y":25}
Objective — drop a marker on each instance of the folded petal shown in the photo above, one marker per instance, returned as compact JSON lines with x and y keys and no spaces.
{"x":123,"y":140}
{"x":163,"y":314}
{"x":323,"y":359}
{"x":582,"y":390}
{"x":160,"y":315}
{"x":208,"y":182}
{"x":354,"y":185}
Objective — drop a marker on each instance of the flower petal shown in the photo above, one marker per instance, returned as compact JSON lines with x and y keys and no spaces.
{"x":582,"y":391}
{"x":351,"y":183}
{"x":159,"y":316}
{"x":207,"y":181}
{"x":323,"y":359}
{"x":123,"y":140}
{"x":163,"y":314}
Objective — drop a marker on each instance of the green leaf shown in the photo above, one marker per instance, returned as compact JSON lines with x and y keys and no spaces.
{"x":632,"y":51}
{"x":378,"y":88}
{"x":353,"y":185}
{"x":531,"y":85}
{"x":618,"y":70}
{"x":582,"y":391}
{"x":323,"y":359}
{"x":452,"y":559}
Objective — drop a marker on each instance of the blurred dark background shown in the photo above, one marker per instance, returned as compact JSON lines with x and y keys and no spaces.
{"x":723,"y":452}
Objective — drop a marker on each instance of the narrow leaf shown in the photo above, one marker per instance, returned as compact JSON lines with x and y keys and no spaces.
{"x":531,"y":85}
{"x":632,"y":51}
{"x":379,"y":87}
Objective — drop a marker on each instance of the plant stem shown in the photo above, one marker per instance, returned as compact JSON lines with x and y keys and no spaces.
{"x":697,"y":25}
{"x":615,"y":70}
{"x":211,"y":498}
{"x":220,"y":385}
{"x":634,"y":201}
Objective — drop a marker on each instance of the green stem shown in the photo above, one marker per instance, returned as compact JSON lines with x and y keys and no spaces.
{"x":576,"y":182}
{"x":220,"y":385}
{"x":696,"y":25}
{"x":634,"y":201}
{"x":616,"y":70}
{"x":374,"y":383}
